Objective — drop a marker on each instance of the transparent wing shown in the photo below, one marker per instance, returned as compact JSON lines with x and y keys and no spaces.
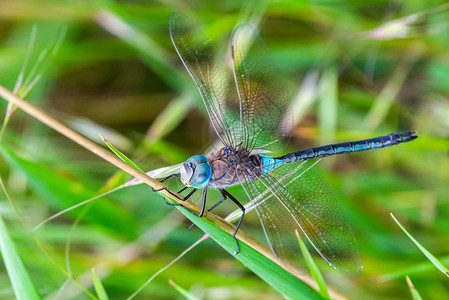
{"x":247,"y":107}
{"x":211,"y":75}
{"x":265,"y":118}
{"x":293,"y":197}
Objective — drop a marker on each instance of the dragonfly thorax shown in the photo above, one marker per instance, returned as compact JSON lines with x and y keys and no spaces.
{"x":196,"y":172}
{"x":231,"y":167}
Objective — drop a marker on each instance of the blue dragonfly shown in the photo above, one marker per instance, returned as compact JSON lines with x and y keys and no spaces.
{"x":248,"y":108}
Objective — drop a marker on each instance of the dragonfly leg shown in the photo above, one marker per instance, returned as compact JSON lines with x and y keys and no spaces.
{"x":189,"y":194}
{"x":182,"y":199}
{"x":203,"y":203}
{"x":225,"y":193}
{"x":211,"y":208}
{"x":218,"y":203}
{"x":168,"y":177}
{"x":182,"y":190}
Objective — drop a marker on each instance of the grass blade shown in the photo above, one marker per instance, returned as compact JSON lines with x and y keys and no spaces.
{"x":20,"y":279}
{"x":429,"y":255}
{"x":182,"y":291}
{"x":58,"y":190}
{"x":120,"y":154}
{"x":99,"y":288}
{"x":328,"y":105}
{"x":280,"y":279}
{"x":136,"y":292}
{"x":313,"y":268}
{"x":413,"y":291}
{"x":414,"y":269}
{"x":154,"y":55}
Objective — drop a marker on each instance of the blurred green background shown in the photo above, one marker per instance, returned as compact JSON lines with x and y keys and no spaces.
{"x":356,"y":69}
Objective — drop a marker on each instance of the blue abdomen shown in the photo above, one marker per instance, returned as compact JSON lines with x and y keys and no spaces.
{"x":270,"y":163}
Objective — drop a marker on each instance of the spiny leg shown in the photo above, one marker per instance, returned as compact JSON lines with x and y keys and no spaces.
{"x":211,"y":208}
{"x":225,"y":193}
{"x":189,"y":194}
{"x":203,"y":203}
{"x":218,"y":203}
{"x":182,"y":190}
{"x":183,"y":198}
{"x":164,"y":188}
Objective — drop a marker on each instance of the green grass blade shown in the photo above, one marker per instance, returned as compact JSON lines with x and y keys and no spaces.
{"x":328,"y":104}
{"x":382,"y":105}
{"x":20,"y":279}
{"x":62,"y":192}
{"x":121,"y":155}
{"x":281,"y":280}
{"x":151,"y":52}
{"x":313,"y":269}
{"x":136,"y":292}
{"x":171,"y":116}
{"x":182,"y":291}
{"x":99,"y":288}
{"x":414,"y":269}
{"x":429,"y":255}
{"x":413,"y":291}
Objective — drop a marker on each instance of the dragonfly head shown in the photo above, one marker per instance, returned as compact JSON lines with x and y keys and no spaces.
{"x":196,"y":172}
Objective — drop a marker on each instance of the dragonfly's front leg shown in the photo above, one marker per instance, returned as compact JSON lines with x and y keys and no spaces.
{"x":188,"y":195}
{"x":225,"y":194}
{"x":203,"y":202}
{"x":183,"y":189}
{"x":164,"y":188}
{"x":223,"y":198}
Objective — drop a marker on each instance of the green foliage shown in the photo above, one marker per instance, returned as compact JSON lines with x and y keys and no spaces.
{"x":20,"y":279}
{"x":60,"y":191}
{"x":413,"y":291}
{"x":435,"y":261}
{"x":99,"y":288}
{"x":183,"y":292}
{"x":286,"y":283}
{"x":355,"y":70}
{"x":313,"y":268}
{"x":122,"y":156}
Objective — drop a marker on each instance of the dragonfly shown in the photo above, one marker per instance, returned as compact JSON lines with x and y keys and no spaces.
{"x":249,"y":110}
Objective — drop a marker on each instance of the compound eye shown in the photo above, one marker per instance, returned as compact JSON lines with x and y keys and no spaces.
{"x":196,"y":172}
{"x":201,"y":176}
{"x":197,"y":159}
